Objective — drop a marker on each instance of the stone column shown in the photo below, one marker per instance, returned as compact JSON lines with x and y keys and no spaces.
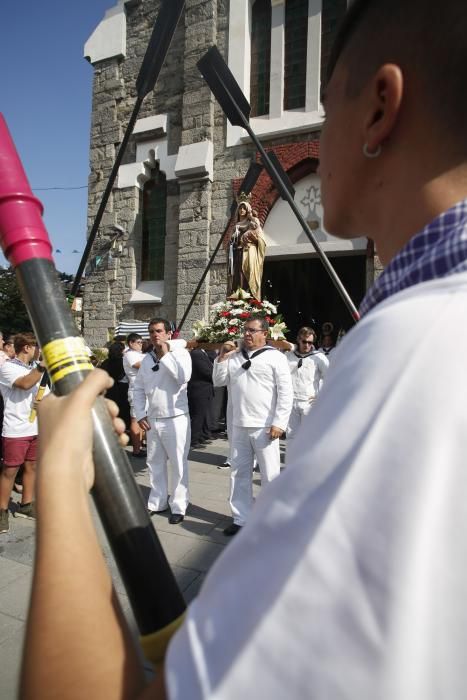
{"x":99,"y":308}
{"x":194,"y":164}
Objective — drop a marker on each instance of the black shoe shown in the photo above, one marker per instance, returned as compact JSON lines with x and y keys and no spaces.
{"x":139,"y":455}
{"x":196,"y":445}
{"x":176,"y":518}
{"x":224,"y":465}
{"x":232,"y":529}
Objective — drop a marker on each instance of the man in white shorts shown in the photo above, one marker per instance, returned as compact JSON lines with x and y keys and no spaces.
{"x":19,"y":381}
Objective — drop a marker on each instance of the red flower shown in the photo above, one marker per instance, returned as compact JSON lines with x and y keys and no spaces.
{"x":268,"y":319}
{"x":245,"y":314}
{"x":232,"y":331}
{"x":255,"y":302}
{"x":224,"y":313}
{"x":272,"y":322}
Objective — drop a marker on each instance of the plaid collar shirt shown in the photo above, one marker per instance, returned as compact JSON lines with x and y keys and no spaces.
{"x":440,"y":249}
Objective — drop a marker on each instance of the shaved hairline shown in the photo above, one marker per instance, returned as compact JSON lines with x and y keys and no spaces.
{"x":426,"y":39}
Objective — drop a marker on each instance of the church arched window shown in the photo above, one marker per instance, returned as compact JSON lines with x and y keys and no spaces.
{"x":153,"y":227}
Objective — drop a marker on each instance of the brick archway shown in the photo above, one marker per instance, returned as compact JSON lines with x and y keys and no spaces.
{"x":297,"y":159}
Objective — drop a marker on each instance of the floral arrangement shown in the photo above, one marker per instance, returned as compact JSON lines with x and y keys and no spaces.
{"x":228,"y":318}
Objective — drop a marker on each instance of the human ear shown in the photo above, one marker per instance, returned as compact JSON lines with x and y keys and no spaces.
{"x":385,"y":98}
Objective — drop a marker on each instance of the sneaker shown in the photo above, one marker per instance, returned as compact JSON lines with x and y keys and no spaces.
{"x":4,"y":524}
{"x":224,"y":465}
{"x":27,"y":510}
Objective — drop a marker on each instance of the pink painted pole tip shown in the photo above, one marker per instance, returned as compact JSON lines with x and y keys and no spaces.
{"x":23,"y":235}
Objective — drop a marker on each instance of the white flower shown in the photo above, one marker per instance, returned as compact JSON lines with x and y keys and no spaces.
{"x":199,"y":328}
{"x":240,"y":294}
{"x":269,"y":307}
{"x":234,"y":322}
{"x":277,"y":331}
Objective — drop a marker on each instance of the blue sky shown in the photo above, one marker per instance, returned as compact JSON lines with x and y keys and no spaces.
{"x":45,"y":97}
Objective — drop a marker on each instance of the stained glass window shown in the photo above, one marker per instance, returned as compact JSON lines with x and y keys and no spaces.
{"x":260,"y":57}
{"x":153,"y":240}
{"x":296,"y":31}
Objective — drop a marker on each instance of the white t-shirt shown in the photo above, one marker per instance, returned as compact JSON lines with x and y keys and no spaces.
{"x":350,"y":578}
{"x":18,"y":402}
{"x":130,"y":358}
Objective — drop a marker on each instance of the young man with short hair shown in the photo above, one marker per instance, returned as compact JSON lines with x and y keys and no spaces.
{"x":307,"y":369}
{"x":161,"y":409}
{"x":18,"y":385}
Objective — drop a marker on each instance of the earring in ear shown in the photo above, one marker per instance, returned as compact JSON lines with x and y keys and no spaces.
{"x":371,"y":154}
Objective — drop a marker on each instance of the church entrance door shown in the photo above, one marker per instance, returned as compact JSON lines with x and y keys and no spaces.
{"x":306,"y":293}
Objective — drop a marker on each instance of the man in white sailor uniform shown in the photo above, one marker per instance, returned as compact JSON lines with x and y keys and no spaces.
{"x":260,"y":389}
{"x":162,"y":379}
{"x":307,"y":369}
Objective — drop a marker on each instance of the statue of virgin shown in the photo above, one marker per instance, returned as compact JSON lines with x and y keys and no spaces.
{"x":246,"y":253}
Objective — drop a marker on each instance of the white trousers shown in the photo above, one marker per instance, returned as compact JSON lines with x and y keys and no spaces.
{"x":169,"y":438}
{"x":300,"y":408}
{"x":248,"y":443}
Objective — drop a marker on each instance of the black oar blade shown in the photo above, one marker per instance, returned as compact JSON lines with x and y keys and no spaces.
{"x":164,"y":29}
{"x":281,"y":173}
{"x":249,"y":181}
{"x":225,"y":88}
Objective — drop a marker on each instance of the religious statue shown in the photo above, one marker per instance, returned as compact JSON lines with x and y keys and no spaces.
{"x":246,"y":252}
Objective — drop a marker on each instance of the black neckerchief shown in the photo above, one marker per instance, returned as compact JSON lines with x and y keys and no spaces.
{"x":247,"y":364}
{"x":302,"y":357}
{"x":156,"y":360}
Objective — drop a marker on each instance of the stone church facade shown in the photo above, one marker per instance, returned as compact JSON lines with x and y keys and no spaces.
{"x":184,"y":163}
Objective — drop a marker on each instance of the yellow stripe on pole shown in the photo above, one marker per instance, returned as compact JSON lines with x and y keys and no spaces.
{"x":65,"y":356}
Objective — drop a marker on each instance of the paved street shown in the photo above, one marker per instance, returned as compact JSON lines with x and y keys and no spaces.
{"x":191,"y":548}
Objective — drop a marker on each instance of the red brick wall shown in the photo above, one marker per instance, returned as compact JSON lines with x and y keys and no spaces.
{"x":297,"y":159}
